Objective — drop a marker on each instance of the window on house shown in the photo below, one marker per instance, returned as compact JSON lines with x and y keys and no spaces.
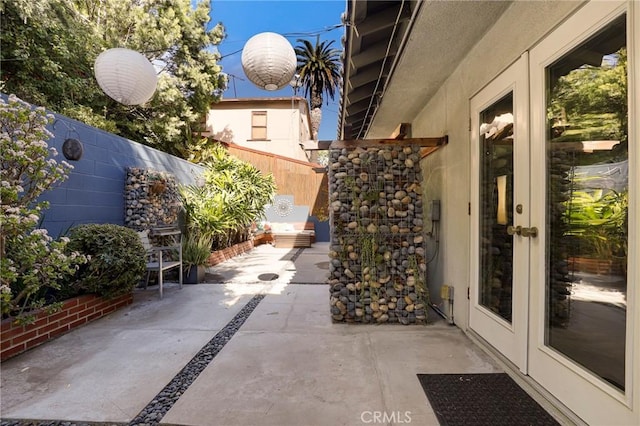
{"x":259,"y":125}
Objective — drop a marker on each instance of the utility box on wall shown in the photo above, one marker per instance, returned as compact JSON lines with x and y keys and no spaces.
{"x":378,"y":268}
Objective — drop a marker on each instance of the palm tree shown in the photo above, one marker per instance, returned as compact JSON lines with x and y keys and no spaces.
{"x":319,"y":68}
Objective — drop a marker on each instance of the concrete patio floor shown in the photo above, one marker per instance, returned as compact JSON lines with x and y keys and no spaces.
{"x":287,"y":365}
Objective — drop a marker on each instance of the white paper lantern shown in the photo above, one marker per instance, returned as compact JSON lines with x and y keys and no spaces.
{"x":269,"y":61}
{"x":126,"y":76}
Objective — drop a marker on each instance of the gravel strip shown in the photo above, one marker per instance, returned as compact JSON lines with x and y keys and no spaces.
{"x":24,"y":422}
{"x":296,"y":254}
{"x":162,"y":403}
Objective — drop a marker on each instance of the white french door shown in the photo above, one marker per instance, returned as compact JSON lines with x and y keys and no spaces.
{"x":555,"y":187}
{"x":500,"y":199}
{"x":584,"y":156}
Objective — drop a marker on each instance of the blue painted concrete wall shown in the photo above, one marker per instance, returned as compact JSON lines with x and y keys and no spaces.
{"x":323,"y":233}
{"x":94,"y":191}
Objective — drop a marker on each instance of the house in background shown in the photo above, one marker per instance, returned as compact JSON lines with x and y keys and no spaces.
{"x":275,"y":125}
{"x":502,"y":79}
{"x":272,"y":134}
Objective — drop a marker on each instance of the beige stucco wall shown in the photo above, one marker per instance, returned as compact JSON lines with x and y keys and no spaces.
{"x":287,"y":126}
{"x":446,"y":172}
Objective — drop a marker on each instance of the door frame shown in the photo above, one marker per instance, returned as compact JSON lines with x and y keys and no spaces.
{"x":508,"y":338}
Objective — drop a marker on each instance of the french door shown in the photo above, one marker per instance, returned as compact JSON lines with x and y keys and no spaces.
{"x":583,"y":282}
{"x":500,"y":199}
{"x":555,"y":181}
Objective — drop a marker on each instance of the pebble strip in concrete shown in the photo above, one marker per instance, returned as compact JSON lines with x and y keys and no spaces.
{"x":162,"y":403}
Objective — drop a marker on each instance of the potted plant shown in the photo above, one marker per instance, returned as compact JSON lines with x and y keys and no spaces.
{"x":196,"y":249}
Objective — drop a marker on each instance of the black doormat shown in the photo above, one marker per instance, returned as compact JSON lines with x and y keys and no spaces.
{"x":482,"y":399}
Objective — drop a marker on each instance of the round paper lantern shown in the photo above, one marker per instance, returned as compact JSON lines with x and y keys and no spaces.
{"x":269,"y":61}
{"x":126,"y":76}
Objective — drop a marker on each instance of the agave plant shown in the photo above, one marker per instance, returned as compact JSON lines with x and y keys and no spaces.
{"x":196,"y":249}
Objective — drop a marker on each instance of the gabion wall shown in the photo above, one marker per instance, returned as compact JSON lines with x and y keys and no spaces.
{"x":151,"y":199}
{"x":377,"y":268}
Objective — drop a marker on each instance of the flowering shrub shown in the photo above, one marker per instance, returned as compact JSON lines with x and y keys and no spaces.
{"x":30,"y":260}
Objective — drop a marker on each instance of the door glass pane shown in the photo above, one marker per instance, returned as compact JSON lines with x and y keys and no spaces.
{"x":587,"y":198}
{"x":496,"y":207}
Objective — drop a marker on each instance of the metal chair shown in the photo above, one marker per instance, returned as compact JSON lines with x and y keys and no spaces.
{"x":155,"y":254}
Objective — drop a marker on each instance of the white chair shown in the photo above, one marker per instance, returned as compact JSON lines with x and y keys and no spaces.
{"x":154,"y":254}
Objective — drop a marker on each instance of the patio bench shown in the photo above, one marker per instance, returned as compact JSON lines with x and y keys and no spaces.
{"x":293,"y":235}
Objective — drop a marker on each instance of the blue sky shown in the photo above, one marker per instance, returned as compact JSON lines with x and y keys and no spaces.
{"x":293,"y":19}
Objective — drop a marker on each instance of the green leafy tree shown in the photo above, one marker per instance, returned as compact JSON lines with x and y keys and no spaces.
{"x":592,"y":100}
{"x":47,"y":55}
{"x":320,"y":71}
{"x":48,"y":49}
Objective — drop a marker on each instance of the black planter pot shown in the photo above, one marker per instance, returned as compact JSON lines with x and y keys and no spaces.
{"x":194,"y":274}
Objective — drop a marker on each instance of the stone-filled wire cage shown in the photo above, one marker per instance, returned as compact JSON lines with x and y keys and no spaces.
{"x":151,"y":199}
{"x":377,"y":267}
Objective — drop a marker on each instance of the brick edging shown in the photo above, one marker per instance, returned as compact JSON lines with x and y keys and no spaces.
{"x":220,"y":256}
{"x":75,"y":312}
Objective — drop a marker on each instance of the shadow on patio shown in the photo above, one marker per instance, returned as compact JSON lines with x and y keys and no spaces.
{"x":288,"y":364}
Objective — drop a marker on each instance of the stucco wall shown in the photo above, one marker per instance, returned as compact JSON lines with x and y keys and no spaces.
{"x":446,"y":172}
{"x":287,"y":126}
{"x":94,"y":191}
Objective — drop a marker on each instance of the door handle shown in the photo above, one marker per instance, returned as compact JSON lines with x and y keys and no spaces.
{"x":522,"y":231}
{"x":512,"y":230}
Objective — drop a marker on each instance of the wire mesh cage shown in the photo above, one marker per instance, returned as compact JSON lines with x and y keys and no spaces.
{"x":378,"y":268}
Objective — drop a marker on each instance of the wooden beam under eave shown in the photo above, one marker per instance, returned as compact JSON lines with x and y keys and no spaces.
{"x":371,"y":143}
{"x":402,"y":131}
{"x":426,"y":151}
{"x":324,"y":144}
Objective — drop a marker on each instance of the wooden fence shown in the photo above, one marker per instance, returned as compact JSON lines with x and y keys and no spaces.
{"x":307,"y":182}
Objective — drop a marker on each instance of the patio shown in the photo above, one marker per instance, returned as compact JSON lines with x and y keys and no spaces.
{"x":287,"y":365}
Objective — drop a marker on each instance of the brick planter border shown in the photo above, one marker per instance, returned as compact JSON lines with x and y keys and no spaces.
{"x":15,"y":339}
{"x":597,"y":266}
{"x":220,"y":256}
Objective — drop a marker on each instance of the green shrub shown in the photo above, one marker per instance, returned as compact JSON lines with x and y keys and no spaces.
{"x":117,"y":259}
{"x":196,"y":250}
{"x":235,"y":194}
